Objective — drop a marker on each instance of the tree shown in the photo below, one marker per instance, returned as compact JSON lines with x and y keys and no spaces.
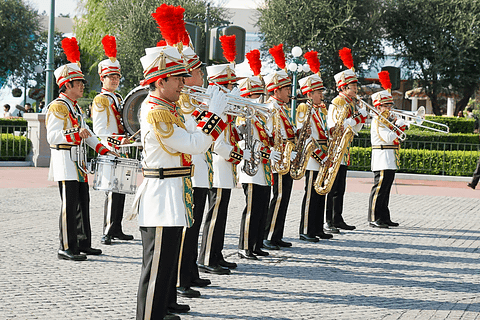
{"x":135,"y":29}
{"x":324,"y":26}
{"x":441,"y":39}
{"x":19,"y":23}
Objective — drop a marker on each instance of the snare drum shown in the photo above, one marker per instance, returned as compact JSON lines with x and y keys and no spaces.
{"x":116,"y":174}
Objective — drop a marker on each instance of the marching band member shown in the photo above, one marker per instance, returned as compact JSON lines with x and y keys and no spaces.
{"x":66,"y":132}
{"x":313,"y":204}
{"x":107,"y":124}
{"x":346,"y":82}
{"x":226,"y":155}
{"x":385,"y":156}
{"x":279,"y":86}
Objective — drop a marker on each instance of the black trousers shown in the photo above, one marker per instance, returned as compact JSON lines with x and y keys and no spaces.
{"x":476,"y":174}
{"x":113,"y":213}
{"x":74,"y":222}
{"x":254,"y":216}
{"x":213,"y":236}
{"x":334,"y":210}
{"x":156,"y":290}
{"x":188,"y":257}
{"x":313,"y":207}
{"x":380,"y":196}
{"x":277,"y":211}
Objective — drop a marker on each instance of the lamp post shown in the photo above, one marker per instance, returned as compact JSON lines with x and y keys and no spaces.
{"x":50,"y":53}
{"x":296,"y":66}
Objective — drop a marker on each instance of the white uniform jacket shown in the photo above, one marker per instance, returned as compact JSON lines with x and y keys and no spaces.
{"x":63,"y":121}
{"x":382,"y":159}
{"x":166,"y":142}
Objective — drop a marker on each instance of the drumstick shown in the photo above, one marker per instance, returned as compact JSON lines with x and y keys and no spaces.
{"x":135,"y":134}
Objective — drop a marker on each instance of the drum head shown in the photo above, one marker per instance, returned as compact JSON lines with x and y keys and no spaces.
{"x":131,"y":109}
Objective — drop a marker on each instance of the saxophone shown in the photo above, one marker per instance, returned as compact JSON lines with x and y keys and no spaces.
{"x":283,"y":165}
{"x":304,"y":150}
{"x":250,"y":166}
{"x":337,"y":148}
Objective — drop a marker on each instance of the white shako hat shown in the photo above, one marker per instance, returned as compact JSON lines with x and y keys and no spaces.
{"x":277,"y":80}
{"x":162,"y":62}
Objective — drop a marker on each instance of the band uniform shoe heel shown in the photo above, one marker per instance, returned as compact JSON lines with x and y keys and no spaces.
{"x":324,"y":235}
{"x":69,"y":255}
{"x":188,"y":292}
{"x":247,"y":254}
{"x":471,"y":185}
{"x":91,"y":251}
{"x":122,"y":236}
{"x":306,"y":237}
{"x":226,"y":264}
{"x":344,"y":226}
{"x":328,"y":227}
{"x":390,"y":223}
{"x":214,"y":269}
{"x":170,"y":316}
{"x":106,"y":239}
{"x":378,"y":224}
{"x":269,"y":245}
{"x":260,"y":252}
{"x":284,"y":244}
{"x":199,"y":282}
{"x":178,"y":308}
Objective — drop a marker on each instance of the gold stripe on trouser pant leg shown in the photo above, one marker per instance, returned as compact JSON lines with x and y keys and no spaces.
{"x":374,"y":200}
{"x":246,"y":229}
{"x":157,"y":248}
{"x":109,"y":212}
{"x":64,"y":216}
{"x":277,"y":206}
{"x":307,"y":203}
{"x":180,"y":256}
{"x":213,"y":221}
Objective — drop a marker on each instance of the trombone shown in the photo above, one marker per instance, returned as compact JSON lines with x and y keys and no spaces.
{"x":417,"y":118}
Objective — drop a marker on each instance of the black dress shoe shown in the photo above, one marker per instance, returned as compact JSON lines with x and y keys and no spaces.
{"x":200,"y":282}
{"x":270,"y":245}
{"x":328,"y":227}
{"x":106,"y":239}
{"x":283,"y":244}
{"x":390,"y":223}
{"x":378,"y":224}
{"x":122,"y":236}
{"x":260,"y":252}
{"x":178,"y":308}
{"x":170,"y":316}
{"x":471,"y":185}
{"x":226,"y":264}
{"x":69,"y":255}
{"x":322,"y":235}
{"x":306,"y":237}
{"x":247,"y":254}
{"x":91,"y":251}
{"x":188,"y":292}
{"x":344,"y":226}
{"x":213,"y":269}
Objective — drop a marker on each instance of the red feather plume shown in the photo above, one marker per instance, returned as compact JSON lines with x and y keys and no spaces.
{"x":186,"y":38}
{"x":384,"y":78}
{"x":312,"y":60}
{"x":254,"y":61}
{"x":229,"y":47}
{"x":70,"y":47}
{"x":346,"y":56}
{"x":161,"y":43}
{"x":278,"y":55}
{"x":110,"y":46}
{"x":170,"y":22}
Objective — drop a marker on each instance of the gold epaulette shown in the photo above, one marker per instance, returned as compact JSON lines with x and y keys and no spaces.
{"x":339,"y":101}
{"x":60,"y":111}
{"x":302,"y":110}
{"x":100,"y":103}
{"x":157,"y":116}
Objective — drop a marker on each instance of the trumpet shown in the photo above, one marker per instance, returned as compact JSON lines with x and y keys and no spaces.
{"x":417,"y":118}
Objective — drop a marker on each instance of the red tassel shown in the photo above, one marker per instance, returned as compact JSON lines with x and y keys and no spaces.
{"x":312,"y":60}
{"x":384,"y":78}
{"x":278,"y":55}
{"x":170,"y":22}
{"x":346,"y":56}
{"x":254,"y":61}
{"x":70,"y":47}
{"x":161,"y":43}
{"x":186,"y":38}
{"x":110,"y":46}
{"x":229,"y":47}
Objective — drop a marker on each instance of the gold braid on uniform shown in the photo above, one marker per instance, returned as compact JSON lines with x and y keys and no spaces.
{"x":301,"y":113}
{"x":157,"y":116}
{"x":100,"y":104}
{"x":60,"y":111}
{"x":185,"y":103}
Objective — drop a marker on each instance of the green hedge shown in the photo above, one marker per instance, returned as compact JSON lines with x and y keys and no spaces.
{"x":456,"y":125}
{"x":14,"y":148}
{"x":450,"y":163}
{"x":20,"y":124}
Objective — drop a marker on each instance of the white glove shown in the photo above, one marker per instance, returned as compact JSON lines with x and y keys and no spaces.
{"x":274,"y":156}
{"x":235,"y":92}
{"x":349,"y":123}
{"x":210,"y":90}
{"x":293,"y":155}
{"x":400,"y":123}
{"x":363,"y":111}
{"x":246,"y":154}
{"x":218,"y":103}
{"x":323,"y":161}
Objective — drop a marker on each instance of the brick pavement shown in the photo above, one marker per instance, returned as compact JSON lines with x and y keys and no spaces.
{"x":426,"y":269}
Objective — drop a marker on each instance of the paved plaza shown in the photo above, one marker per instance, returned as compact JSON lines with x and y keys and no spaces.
{"x":428,"y":268}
